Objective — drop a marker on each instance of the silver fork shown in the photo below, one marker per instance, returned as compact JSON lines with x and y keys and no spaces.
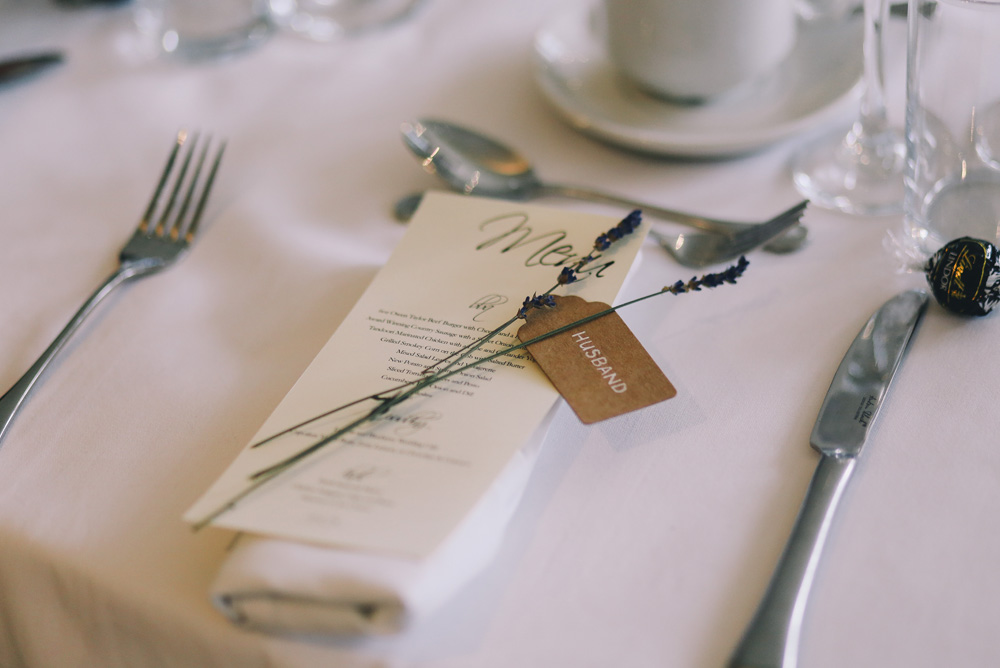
{"x":699,"y":249}
{"x":789,"y":242}
{"x":164,"y":234}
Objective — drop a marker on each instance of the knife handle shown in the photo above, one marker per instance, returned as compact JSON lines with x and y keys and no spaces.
{"x":772,"y":638}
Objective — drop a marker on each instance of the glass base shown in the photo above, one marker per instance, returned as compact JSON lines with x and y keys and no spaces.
{"x":198,"y":30}
{"x":329,"y":20}
{"x":853,"y":172}
{"x":968,"y":207}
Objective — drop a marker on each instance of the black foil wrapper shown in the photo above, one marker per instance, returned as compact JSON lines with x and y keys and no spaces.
{"x":965,"y":276}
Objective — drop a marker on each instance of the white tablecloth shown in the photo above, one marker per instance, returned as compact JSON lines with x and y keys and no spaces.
{"x":643,"y":541}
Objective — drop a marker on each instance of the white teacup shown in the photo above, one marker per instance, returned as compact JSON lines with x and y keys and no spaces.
{"x":694,"y":50}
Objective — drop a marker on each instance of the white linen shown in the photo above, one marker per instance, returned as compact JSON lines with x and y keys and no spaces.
{"x":286,"y":587}
{"x":644,"y":542}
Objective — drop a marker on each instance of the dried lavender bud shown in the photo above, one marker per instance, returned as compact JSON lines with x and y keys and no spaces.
{"x":567,"y":276}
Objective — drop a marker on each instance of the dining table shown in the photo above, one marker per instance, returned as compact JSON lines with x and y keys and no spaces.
{"x":642,"y":541}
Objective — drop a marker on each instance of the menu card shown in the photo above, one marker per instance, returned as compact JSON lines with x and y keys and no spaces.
{"x":401,"y":483}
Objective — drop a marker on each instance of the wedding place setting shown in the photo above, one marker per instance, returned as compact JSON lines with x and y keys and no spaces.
{"x":476,"y":335}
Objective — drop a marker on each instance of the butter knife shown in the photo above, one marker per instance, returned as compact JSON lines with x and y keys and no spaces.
{"x":24,"y":66}
{"x":845,"y":420}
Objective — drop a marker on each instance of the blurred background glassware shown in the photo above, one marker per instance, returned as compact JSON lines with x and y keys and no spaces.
{"x":328,"y":20}
{"x":952,"y":123}
{"x":203,"y":29}
{"x":26,"y":66}
{"x":694,"y":50}
{"x":820,"y":10}
{"x":860,"y":170}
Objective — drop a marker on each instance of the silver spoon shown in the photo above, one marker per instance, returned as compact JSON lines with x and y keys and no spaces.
{"x":473,"y":163}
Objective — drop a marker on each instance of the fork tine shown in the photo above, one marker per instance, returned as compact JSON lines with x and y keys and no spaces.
{"x":196,"y":218}
{"x":147,"y":216}
{"x":168,"y":225}
{"x":749,"y":238}
{"x":797,"y":211}
{"x":189,"y":195}
{"x":762,"y":231}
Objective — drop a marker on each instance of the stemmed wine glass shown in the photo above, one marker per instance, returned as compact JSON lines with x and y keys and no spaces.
{"x":860,"y":171}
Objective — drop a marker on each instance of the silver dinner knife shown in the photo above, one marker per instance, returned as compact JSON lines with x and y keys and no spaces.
{"x":852,"y":402}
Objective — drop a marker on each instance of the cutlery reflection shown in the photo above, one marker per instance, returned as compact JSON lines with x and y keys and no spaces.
{"x":473,"y":163}
{"x":20,"y":67}
{"x":845,"y":419}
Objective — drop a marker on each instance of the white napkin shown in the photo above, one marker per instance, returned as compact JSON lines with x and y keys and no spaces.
{"x":286,"y":587}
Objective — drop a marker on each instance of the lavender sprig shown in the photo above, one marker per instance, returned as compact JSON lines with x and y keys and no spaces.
{"x":390,"y":398}
{"x":604,"y":241}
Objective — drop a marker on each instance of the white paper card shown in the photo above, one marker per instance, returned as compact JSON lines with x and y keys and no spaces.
{"x":401,"y":483}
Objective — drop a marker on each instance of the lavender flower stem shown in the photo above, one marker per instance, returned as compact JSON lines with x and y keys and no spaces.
{"x":388,"y":402}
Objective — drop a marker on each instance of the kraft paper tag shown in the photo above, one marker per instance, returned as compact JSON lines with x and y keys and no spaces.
{"x":599,"y":367}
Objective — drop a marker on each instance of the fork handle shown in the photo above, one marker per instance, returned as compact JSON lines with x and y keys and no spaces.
{"x":682,"y":217}
{"x":13,"y":399}
{"x":779,"y":245}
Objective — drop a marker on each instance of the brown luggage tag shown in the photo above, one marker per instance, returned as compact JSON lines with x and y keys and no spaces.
{"x":599,"y":367}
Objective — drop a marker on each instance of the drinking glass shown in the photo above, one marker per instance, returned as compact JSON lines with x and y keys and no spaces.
{"x":952,"y":123}
{"x":203,"y":29}
{"x":859,"y":170}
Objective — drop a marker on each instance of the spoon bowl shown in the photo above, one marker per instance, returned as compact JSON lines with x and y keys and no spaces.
{"x":468,"y":161}
{"x":473,"y":163}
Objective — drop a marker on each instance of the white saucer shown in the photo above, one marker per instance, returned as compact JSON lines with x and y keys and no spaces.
{"x":816,"y":84}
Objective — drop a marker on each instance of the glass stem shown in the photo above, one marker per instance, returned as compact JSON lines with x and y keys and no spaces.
{"x":872,"y":119}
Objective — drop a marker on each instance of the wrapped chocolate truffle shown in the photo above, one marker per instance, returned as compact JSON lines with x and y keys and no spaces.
{"x":965,"y":276}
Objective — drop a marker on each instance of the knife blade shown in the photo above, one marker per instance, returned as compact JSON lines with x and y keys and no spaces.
{"x":845,"y":420}
{"x":24,"y":66}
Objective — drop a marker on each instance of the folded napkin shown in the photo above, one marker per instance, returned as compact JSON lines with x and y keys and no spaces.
{"x":281,"y":586}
